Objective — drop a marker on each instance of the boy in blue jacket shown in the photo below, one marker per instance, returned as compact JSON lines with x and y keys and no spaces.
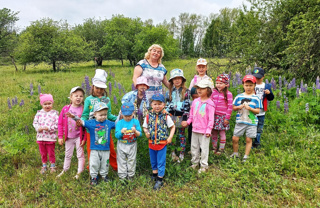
{"x":127,"y":131}
{"x":264,"y":92}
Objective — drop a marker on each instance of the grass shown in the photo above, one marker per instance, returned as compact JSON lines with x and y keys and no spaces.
{"x":285,"y":172}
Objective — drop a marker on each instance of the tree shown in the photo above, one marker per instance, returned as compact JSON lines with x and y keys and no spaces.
{"x":8,"y":34}
{"x":93,"y":31}
{"x":50,"y":41}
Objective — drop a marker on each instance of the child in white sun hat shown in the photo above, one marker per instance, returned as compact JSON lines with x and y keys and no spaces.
{"x":201,"y":68}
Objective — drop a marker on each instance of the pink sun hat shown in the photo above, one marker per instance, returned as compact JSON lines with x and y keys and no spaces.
{"x":142,"y":80}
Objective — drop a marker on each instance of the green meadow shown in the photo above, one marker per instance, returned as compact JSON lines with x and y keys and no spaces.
{"x":284,"y":172}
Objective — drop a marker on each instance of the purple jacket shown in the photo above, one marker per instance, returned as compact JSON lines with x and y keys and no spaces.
{"x":63,"y":125}
{"x":202,"y":116}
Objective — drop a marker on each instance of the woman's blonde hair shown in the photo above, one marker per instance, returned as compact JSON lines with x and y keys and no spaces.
{"x":147,"y":55}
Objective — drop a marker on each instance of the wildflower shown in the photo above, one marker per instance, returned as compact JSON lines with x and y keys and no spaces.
{"x":307,"y":107}
{"x":267,"y":81}
{"x":15,"y":100}
{"x":301,"y":84}
{"x":9,"y":104}
{"x":82,"y":85}
{"x":285,"y":83}
{"x":273,"y":84}
{"x":293,"y":82}
{"x":278,"y":104}
{"x":280,"y":82}
{"x":234,"y":83}
{"x":31,"y":89}
{"x":297,"y":92}
{"x":230,"y":75}
{"x":133,"y":87}
{"x":39,"y":89}
{"x":115,"y":100}
{"x":119,"y":86}
{"x":280,"y":93}
{"x":88,"y":87}
{"x":238,"y":76}
{"x":110,"y":87}
{"x":317,"y":83}
{"x":286,"y":106}
{"x":26,"y":128}
{"x":21,"y":103}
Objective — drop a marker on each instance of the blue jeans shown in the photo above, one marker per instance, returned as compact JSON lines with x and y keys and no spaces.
{"x":158,"y":160}
{"x":259,"y":129}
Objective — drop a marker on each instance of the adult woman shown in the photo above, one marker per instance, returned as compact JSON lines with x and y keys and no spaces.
{"x":152,"y":69}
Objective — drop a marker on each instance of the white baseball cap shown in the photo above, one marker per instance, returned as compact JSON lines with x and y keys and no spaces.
{"x":202,"y":61}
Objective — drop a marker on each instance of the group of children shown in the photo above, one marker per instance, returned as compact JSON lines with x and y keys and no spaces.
{"x":208,"y":116}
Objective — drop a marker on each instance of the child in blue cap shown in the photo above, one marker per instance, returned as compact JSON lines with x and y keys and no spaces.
{"x":127,"y":131}
{"x":159,"y":129}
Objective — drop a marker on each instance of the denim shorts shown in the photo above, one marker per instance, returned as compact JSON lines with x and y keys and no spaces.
{"x":240,"y":129}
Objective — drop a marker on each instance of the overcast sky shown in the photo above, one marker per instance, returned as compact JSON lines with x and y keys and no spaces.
{"x":75,"y":11}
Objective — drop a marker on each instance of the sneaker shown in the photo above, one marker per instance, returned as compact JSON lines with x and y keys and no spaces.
{"x":181,"y":158}
{"x":153,"y":178}
{"x":202,"y":170}
{"x":158,"y":185}
{"x":77,"y":176}
{"x":94,"y":181}
{"x":58,"y":176}
{"x":43,"y":170}
{"x":233,"y":155}
{"x":219,"y":152}
{"x":245,"y":159}
{"x":174,"y":157}
{"x":53,"y":169}
{"x":106,"y":179}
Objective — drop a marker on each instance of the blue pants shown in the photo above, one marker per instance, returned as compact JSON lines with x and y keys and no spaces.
{"x":158,"y":160}
{"x":259,"y":129}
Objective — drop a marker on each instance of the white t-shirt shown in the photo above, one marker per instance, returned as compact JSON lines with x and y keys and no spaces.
{"x":169,"y":122}
{"x":260,"y":92}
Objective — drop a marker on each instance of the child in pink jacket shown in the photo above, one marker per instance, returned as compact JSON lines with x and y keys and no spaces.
{"x":74,"y":136}
{"x":222,"y":99}
{"x":202,"y":117}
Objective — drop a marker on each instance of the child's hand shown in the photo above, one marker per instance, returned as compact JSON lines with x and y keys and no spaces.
{"x":184,"y":123}
{"x":70,"y":115}
{"x":240,"y":106}
{"x":79,"y":123}
{"x":40,"y":129}
{"x":169,"y":140}
{"x":45,"y":128}
{"x":133,"y":129}
{"x":247,"y":107}
{"x":82,"y":143}
{"x":208,"y":135}
{"x":123,"y":130}
{"x":60,"y":141}
{"x":225,"y":122}
{"x":267,"y":92}
{"x":147,"y":133}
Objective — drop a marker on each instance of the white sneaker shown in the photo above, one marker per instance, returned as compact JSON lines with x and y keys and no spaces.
{"x":77,"y":176}
{"x":235,"y":154}
{"x":181,"y":158}
{"x":202,"y":170}
{"x":58,"y":176}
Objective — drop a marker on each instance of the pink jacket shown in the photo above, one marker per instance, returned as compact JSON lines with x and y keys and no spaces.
{"x":222,"y":108}
{"x":202,"y":116}
{"x":46,"y":119}
{"x":63,"y":125}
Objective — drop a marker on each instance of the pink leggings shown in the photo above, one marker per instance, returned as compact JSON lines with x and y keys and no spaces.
{"x":215,"y":138}
{"x":46,"y":148}
{"x":70,"y":144}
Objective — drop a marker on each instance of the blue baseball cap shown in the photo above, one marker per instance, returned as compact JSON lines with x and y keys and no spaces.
{"x":158,"y":97}
{"x":99,"y":106}
{"x":127,"y":109}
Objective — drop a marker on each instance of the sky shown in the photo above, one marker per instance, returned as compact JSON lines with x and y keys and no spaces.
{"x":76,"y":11}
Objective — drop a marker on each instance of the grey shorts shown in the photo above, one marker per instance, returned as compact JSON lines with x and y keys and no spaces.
{"x":239,"y":129}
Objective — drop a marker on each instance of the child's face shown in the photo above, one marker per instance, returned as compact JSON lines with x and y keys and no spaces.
{"x":101,"y":116}
{"x":202,"y":92}
{"x":177,"y":81}
{"x":98,"y":92}
{"x":249,"y":87}
{"x":128,"y":118}
{"x":142,"y":88}
{"x":260,"y":80}
{"x":157,"y":106}
{"x":220,"y":85}
{"x":202,"y":69}
{"x":77,"y":98}
{"x":47,"y":106}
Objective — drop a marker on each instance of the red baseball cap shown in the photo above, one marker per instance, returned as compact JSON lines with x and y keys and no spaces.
{"x":250,"y":78}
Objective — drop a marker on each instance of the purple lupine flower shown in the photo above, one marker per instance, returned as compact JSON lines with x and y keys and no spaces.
{"x":115,"y":100}
{"x":267,"y":81}
{"x":124,"y":91}
{"x":286,"y":106}
{"x":39,"y":89}
{"x":26,"y":128}
{"x":133,"y":87}
{"x":238,"y":75}
{"x":234,"y":83}
{"x":230,"y":75}
{"x":273,"y":84}
{"x":82,"y":85}
{"x":280,"y":93}
{"x":88,"y":87}
{"x":301,"y":84}
{"x":317,"y":83}
{"x":9,"y":104}
{"x":307,"y":107}
{"x":280,"y":82}
{"x":285,"y":83}
{"x":278,"y":104}
{"x":21,"y":103}
{"x":31,"y":89}
{"x":293,"y":82}
{"x":15,"y":100}
{"x":297,"y":92}
{"x":110,"y":88}
{"x":119,"y":86}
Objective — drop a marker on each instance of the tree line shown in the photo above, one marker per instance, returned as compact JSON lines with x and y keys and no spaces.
{"x":277,"y":34}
